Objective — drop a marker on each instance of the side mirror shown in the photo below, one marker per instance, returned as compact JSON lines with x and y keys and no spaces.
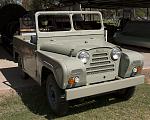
{"x":33,"y":39}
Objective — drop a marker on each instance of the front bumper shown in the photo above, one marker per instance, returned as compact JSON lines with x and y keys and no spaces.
{"x":105,"y":87}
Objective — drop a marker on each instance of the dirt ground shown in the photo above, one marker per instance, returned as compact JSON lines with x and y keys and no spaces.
{"x":10,"y":75}
{"x":146,"y":72}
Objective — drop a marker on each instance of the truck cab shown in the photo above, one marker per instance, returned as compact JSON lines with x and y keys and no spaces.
{"x":68,"y":54}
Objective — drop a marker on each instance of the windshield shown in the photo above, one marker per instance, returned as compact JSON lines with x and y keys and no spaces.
{"x":62,"y":22}
{"x":52,"y":23}
{"x":86,"y":22}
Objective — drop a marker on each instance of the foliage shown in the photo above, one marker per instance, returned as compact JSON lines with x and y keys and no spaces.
{"x":4,"y":2}
{"x":44,"y":4}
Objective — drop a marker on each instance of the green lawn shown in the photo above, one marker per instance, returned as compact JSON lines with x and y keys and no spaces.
{"x":32,"y":105}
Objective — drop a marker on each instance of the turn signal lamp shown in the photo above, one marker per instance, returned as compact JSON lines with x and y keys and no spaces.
{"x":139,"y":69}
{"x":136,"y":70}
{"x":71,"y":81}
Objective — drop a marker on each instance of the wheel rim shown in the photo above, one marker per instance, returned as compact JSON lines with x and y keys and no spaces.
{"x":52,"y":96}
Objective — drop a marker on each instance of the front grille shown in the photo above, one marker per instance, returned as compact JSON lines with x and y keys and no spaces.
{"x":100,"y":71}
{"x":99,"y":59}
{"x":99,"y":67}
{"x":100,"y":63}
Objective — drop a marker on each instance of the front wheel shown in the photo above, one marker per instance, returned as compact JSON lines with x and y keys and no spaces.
{"x":126,"y":93}
{"x":55,"y":97}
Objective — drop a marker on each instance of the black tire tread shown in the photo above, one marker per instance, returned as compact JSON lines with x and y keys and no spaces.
{"x":62,"y":106}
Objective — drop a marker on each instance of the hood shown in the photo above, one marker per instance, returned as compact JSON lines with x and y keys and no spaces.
{"x":72,"y":48}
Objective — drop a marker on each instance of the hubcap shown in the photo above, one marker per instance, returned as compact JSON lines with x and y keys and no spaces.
{"x":51,"y":96}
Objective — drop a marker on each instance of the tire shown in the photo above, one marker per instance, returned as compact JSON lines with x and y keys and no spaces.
{"x":55,"y":97}
{"x":125,"y":94}
{"x":19,"y":61}
{"x":23,"y":74}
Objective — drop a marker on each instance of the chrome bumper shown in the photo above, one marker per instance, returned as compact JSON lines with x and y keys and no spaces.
{"x":105,"y":87}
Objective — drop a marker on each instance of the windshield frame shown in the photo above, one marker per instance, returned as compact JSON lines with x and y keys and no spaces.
{"x":72,"y":31}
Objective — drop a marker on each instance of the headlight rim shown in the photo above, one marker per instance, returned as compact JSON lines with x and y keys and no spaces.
{"x":112,"y":55}
{"x":80,"y":58}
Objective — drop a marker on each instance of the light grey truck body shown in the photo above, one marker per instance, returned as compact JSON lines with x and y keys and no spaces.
{"x":60,"y":52}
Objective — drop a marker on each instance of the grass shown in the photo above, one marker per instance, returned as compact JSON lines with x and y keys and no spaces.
{"x":32,"y":105}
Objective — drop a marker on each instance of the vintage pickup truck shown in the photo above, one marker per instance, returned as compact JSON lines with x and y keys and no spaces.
{"x":69,"y":56}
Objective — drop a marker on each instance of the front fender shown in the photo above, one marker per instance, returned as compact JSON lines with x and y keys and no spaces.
{"x":75,"y":68}
{"x":128,"y":61}
{"x":63,"y":67}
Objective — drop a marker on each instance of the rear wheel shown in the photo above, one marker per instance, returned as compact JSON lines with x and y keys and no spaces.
{"x":55,"y":97}
{"x":126,"y":93}
{"x":23,"y":74}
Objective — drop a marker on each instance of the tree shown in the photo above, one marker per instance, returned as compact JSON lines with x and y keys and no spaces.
{"x":44,"y":4}
{"x":4,"y":2}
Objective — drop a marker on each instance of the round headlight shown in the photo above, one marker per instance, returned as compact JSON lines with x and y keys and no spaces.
{"x":116,"y":53}
{"x":84,"y":56}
